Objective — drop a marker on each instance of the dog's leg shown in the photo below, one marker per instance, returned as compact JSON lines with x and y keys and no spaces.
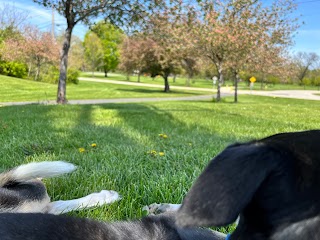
{"x":93,"y":199}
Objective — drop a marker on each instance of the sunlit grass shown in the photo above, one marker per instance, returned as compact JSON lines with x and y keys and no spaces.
{"x":188,"y":134}
{"x":18,"y":90}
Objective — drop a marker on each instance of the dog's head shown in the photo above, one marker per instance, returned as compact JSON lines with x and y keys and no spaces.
{"x":266,"y":182}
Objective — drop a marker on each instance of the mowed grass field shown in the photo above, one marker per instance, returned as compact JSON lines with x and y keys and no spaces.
{"x":124,"y":135}
{"x":19,"y":90}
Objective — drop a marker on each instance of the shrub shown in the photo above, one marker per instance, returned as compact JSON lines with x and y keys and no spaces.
{"x":13,"y":69}
{"x":52,"y":75}
{"x":306,"y":81}
{"x":72,"y":76}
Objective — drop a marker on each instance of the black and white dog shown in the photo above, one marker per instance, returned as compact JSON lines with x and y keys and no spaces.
{"x":22,"y":191}
{"x":24,"y":202}
{"x":271,"y":183}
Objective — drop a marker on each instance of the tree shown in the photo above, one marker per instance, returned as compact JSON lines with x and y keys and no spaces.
{"x":231,"y":31}
{"x":169,"y":49}
{"x":110,"y":37}
{"x":138,"y":54}
{"x":75,"y":11}
{"x":12,"y":22}
{"x":93,"y":50}
{"x":304,"y":61}
{"x":34,"y":47}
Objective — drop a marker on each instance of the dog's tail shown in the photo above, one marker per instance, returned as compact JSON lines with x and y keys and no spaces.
{"x":35,"y":170}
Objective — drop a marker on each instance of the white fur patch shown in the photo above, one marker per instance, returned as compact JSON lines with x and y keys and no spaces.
{"x":92,"y":200}
{"x":41,"y":170}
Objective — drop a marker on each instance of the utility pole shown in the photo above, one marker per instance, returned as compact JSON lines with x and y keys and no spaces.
{"x":52,"y":24}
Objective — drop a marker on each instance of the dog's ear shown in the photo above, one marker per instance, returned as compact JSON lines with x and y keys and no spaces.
{"x":227,"y":185}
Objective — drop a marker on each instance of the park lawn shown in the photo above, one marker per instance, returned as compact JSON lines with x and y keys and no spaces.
{"x":200,"y":82}
{"x":126,"y":132}
{"x":18,"y":90}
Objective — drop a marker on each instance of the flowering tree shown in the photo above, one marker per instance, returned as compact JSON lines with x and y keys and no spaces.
{"x":231,"y":32}
{"x":75,"y":11}
{"x":137,"y":54}
{"x":36,"y":48}
{"x":170,"y":48}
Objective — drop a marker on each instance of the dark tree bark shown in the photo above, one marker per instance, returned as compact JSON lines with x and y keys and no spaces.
{"x":62,"y":91}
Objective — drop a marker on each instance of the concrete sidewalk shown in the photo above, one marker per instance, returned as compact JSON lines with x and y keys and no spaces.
{"x":114,"y":100}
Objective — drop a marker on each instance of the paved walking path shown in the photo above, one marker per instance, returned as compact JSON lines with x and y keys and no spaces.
{"x":298,"y":94}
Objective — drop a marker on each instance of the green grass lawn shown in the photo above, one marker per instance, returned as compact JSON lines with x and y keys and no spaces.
{"x":124,"y":133}
{"x":15,"y":89}
{"x":198,"y":82}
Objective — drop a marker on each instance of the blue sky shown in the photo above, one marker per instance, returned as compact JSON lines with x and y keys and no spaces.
{"x":307,"y":39}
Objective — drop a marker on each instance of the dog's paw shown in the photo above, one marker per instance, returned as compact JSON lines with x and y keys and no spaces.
{"x":103,"y":197}
{"x":159,"y":208}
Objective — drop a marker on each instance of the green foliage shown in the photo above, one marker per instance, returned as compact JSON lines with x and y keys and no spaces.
{"x":111,"y":37}
{"x":93,"y":50}
{"x":52,"y":75}
{"x":73,"y":75}
{"x":273,"y":79}
{"x":306,"y":81}
{"x":9,"y":32}
{"x":13,"y":69}
{"x":316,"y":81}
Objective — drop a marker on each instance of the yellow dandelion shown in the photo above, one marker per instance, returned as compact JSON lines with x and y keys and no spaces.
{"x":152,"y":152}
{"x":161,"y":154}
{"x":93,"y":145}
{"x":162,"y":135}
{"x":82,"y":150}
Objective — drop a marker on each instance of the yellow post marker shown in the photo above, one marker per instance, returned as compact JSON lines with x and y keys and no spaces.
{"x":252,"y":81}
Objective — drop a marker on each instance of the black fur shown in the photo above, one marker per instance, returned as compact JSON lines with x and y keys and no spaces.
{"x":272,"y":183}
{"x":32,"y":226}
{"x":14,"y":194}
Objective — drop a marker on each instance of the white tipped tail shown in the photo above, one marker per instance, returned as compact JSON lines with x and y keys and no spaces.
{"x":40,"y":170}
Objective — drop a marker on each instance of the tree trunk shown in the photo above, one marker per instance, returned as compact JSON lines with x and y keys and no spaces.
{"x":166,"y":83}
{"x":62,"y":93}
{"x":236,"y":86}
{"x":105,"y":72}
{"x":174,"y":77}
{"x":262,"y":81}
{"x":220,"y":81}
{"x":139,"y":76}
{"x":188,"y":81}
{"x":128,"y":77}
{"x":29,"y":69}
{"x":36,"y":77}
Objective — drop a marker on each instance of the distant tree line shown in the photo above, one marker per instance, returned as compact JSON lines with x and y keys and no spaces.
{"x":230,"y":39}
